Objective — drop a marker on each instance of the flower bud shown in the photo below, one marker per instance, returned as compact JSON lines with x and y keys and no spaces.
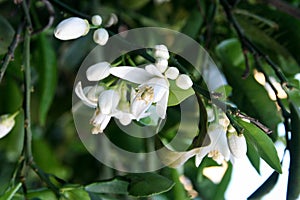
{"x":7,"y":122}
{"x":71,"y":28}
{"x":184,"y":82}
{"x":161,"y":51}
{"x":172,"y":73}
{"x":161,"y":64}
{"x":96,"y":20}
{"x":237,"y":143}
{"x":101,"y":36}
{"x":113,"y":19}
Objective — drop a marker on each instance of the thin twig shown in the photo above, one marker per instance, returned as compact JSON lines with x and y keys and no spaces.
{"x":11,"y":50}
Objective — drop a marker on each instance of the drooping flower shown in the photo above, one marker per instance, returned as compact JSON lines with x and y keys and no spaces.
{"x":71,"y":28}
{"x":7,"y":122}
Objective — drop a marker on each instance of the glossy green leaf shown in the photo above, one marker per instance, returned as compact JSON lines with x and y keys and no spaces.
{"x":294,"y":147}
{"x":8,"y":195}
{"x":6,"y":35}
{"x":253,"y":156}
{"x":249,"y":96}
{"x":147,"y":184}
{"x":115,"y":186}
{"x":266,"y":187}
{"x":47,"y":69}
{"x":263,"y":144}
{"x":177,"y":95}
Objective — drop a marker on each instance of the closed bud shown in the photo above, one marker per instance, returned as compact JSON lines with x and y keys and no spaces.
{"x":184,"y":82}
{"x":172,"y":73}
{"x":71,"y":28}
{"x":161,"y":51}
{"x":96,"y":20}
{"x":7,"y":122}
{"x":237,"y":143}
{"x":101,"y":36}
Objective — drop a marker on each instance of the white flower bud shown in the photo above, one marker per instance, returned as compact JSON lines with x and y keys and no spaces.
{"x":237,"y":143}
{"x":101,"y":36}
{"x":96,"y":20}
{"x":113,"y":19}
{"x":98,"y":71}
{"x":7,"y":122}
{"x":172,"y":73}
{"x":161,"y":64}
{"x":184,"y":82}
{"x":71,"y":28}
{"x":161,"y":51}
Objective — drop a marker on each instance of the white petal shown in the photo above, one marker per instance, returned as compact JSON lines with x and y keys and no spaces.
{"x":172,"y":73}
{"x":160,"y":86}
{"x":124,"y":118}
{"x":98,"y":71}
{"x":139,"y":107}
{"x":218,"y":138}
{"x":94,"y":92}
{"x":104,"y":123}
{"x":161,"y":51}
{"x":108,"y":101}
{"x":71,"y":28}
{"x":203,"y":151}
{"x":101,"y":36}
{"x":132,"y":74}
{"x":79,"y":92}
{"x":161,"y":106}
{"x":161,"y":64}
{"x":184,"y":82}
{"x":151,"y":69}
{"x":96,"y":20}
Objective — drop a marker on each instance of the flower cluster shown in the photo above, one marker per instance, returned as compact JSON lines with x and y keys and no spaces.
{"x":137,"y":93}
{"x":75,"y":27}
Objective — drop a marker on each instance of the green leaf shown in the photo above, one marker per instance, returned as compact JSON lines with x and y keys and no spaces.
{"x":6,"y":35}
{"x":294,"y":148}
{"x":147,"y":184}
{"x":177,"y":95}
{"x":47,"y":68}
{"x":193,"y":24}
{"x":74,"y":194}
{"x":253,"y":156}
{"x":134,"y":4}
{"x":249,"y":96}
{"x":266,"y":187}
{"x":11,"y":192}
{"x":42,"y":194}
{"x":263,"y":144}
{"x":115,"y":186}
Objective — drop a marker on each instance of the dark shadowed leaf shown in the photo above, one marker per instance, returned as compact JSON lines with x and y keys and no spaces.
{"x":6,"y":35}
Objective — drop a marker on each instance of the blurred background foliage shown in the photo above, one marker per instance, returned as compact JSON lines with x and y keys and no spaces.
{"x":57,"y":148}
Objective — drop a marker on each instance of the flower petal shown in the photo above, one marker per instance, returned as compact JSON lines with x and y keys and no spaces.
{"x":98,"y":71}
{"x":161,"y":51}
{"x":7,"y":122}
{"x":172,"y":73}
{"x":161,"y":105}
{"x":79,"y":92}
{"x":132,"y":74}
{"x":161,"y":64}
{"x":108,"y":101}
{"x":159,"y":85}
{"x":152,"y":69}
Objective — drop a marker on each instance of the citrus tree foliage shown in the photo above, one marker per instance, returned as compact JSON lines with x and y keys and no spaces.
{"x":254,"y":44}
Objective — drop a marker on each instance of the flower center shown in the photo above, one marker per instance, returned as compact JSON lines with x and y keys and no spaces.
{"x":216,"y":156}
{"x":145,"y":93}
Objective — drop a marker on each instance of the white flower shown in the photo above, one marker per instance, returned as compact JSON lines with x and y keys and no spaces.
{"x":7,"y":122}
{"x":218,"y":149}
{"x":237,"y":143}
{"x":107,"y":102}
{"x":71,"y":28}
{"x":96,"y":20}
{"x":98,"y":71}
{"x":101,"y":36}
{"x":154,"y":87}
{"x":89,"y":95}
{"x":184,"y":81}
